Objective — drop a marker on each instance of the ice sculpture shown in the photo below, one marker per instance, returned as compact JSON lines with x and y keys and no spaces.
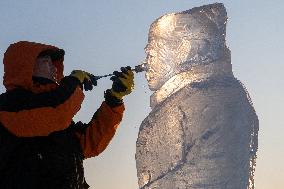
{"x":202,"y":130}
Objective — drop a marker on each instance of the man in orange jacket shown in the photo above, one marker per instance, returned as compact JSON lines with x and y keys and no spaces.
{"x":40,"y":145}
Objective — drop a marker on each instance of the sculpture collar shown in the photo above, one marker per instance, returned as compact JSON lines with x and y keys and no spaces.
{"x":197,"y":73}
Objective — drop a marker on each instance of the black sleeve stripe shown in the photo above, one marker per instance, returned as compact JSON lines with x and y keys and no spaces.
{"x":79,"y":127}
{"x":21,"y":99}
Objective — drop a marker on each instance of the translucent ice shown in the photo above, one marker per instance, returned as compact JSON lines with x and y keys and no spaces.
{"x":180,"y":40}
{"x":202,"y":130}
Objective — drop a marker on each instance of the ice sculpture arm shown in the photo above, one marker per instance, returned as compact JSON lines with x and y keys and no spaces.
{"x":159,"y":134}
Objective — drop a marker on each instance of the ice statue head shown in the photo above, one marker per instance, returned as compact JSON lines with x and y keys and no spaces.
{"x":179,"y":40}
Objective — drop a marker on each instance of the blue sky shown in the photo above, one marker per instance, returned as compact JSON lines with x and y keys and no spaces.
{"x":102,"y":36}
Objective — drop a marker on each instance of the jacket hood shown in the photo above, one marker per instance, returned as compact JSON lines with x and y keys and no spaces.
{"x":19,"y":60}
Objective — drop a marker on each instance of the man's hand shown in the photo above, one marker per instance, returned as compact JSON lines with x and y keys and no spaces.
{"x":85,"y":78}
{"x":123,"y":82}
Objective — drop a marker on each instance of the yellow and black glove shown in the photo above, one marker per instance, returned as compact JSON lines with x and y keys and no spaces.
{"x":123,"y":84}
{"x":86,"y":79}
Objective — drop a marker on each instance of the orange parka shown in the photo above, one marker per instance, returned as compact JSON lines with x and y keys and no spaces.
{"x":38,"y":116}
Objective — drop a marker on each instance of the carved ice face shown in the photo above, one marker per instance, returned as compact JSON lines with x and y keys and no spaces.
{"x":160,"y":59}
{"x":166,"y":58}
{"x":176,"y":41}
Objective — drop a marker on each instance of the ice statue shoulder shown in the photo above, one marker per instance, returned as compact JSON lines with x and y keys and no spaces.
{"x":202,"y":130}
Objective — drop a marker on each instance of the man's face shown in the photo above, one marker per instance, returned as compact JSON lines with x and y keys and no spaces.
{"x":45,"y":68}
